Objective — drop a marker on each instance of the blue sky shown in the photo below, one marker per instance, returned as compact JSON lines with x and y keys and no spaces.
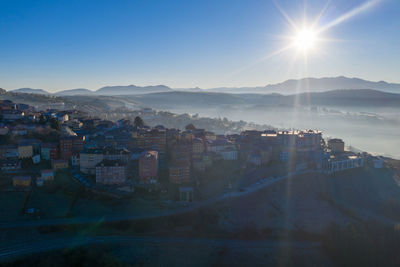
{"x":68,"y":44}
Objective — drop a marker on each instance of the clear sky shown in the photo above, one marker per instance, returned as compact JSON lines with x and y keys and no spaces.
{"x":68,"y":44}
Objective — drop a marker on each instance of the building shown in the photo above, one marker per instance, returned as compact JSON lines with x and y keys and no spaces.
{"x":10,"y":165}
{"x":22,"y":181}
{"x":49,"y":151}
{"x":89,"y":158}
{"x":47,"y":175}
{"x":220,"y":145}
{"x":197,"y":146}
{"x":59,"y":164}
{"x":228,"y":154}
{"x":12,"y":115}
{"x":341,"y":163}
{"x":148,"y":167}
{"x":336,"y":145}
{"x":111,"y":172}
{"x":71,"y":145}
{"x":25,"y":150}
{"x":377,"y":162}
{"x":179,"y":173}
{"x":110,"y":153}
{"x":153,"y":139}
{"x":8,"y":152}
{"x":186,"y":194}
{"x":199,"y":164}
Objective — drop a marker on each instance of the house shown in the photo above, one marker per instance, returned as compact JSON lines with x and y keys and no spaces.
{"x":47,"y":175}
{"x":111,"y":172}
{"x":62,"y":117}
{"x":186,"y":194}
{"x":22,"y":181}
{"x":148,"y":167}
{"x":59,"y":164}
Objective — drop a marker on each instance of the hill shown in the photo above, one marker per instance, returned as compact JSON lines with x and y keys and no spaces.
{"x":312,"y":202}
{"x":314,"y":85}
{"x":80,"y":91}
{"x":132,"y":90}
{"x":352,"y":98}
{"x":31,"y":91}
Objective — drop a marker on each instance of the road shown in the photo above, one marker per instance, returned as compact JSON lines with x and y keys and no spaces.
{"x":28,"y":248}
{"x":126,"y":217}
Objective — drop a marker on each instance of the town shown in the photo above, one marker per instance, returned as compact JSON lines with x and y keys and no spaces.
{"x":124,"y":158}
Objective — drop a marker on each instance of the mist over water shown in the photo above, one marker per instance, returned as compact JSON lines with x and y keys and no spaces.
{"x":374,"y":131}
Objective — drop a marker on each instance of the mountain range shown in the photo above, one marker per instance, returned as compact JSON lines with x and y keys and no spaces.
{"x":286,"y":88}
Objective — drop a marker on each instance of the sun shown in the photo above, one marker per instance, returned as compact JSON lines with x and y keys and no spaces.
{"x":305,"y":39}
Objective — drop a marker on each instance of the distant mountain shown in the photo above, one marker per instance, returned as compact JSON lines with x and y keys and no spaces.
{"x":80,"y":91}
{"x":349,"y":97}
{"x":314,"y":85}
{"x":30,"y":91}
{"x":132,"y":90}
{"x":305,"y":85}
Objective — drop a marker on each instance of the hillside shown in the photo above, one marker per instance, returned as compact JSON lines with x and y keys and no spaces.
{"x":353,"y":97}
{"x":312,"y":202}
{"x":131,"y":90}
{"x":80,"y":91}
{"x":31,"y":91}
{"x":314,"y":85}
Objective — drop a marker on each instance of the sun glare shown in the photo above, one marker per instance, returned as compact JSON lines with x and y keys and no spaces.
{"x":305,"y":39}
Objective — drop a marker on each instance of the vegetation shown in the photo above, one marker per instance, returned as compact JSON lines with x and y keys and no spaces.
{"x":362,"y":244}
{"x":82,"y":256}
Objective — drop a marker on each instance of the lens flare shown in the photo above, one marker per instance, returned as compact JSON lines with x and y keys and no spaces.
{"x":305,"y":39}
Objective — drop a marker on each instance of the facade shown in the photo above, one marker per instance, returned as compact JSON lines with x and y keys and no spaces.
{"x":344,"y":163}
{"x":148,"y":167}
{"x":198,"y":146}
{"x":116,"y":154}
{"x":25,"y":151}
{"x":47,"y":175}
{"x":71,"y":145}
{"x":228,"y":154}
{"x":10,"y":165}
{"x":186,"y":194}
{"x":111,"y":172}
{"x":89,"y":158}
{"x":179,"y":173}
{"x":336,"y":145}
{"x":59,"y":164}
{"x":22,"y":181}
{"x":154,"y":139}
{"x":377,"y":162}
{"x":49,"y":151}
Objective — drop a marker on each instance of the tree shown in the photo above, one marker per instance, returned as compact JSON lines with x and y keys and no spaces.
{"x":190,"y":127}
{"x":55,"y":124}
{"x":138,"y":122}
{"x":42,"y":119}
